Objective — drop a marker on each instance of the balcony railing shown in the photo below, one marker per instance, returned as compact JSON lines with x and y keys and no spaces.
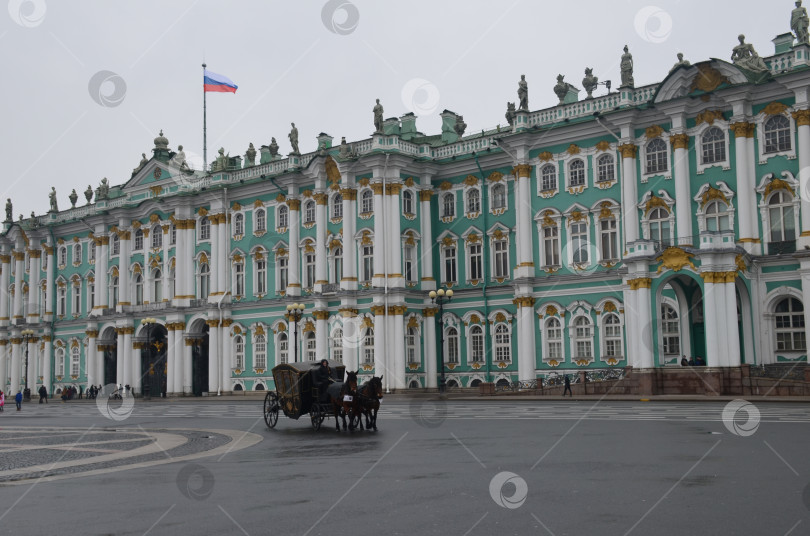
{"x":782,"y":248}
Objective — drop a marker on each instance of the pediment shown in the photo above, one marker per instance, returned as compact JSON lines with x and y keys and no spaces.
{"x":699,"y":79}
{"x":152,"y":173}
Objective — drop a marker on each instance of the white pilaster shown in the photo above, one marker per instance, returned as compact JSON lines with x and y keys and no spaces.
{"x":525,"y":262}
{"x":213,"y":356}
{"x":380,"y":246}
{"x":215,"y":262}
{"x":47,"y":360}
{"x":187,"y":371}
{"x":125,"y":290}
{"x":802,"y":118}
{"x":713,"y":322}
{"x":526,"y":340}
{"x":5,"y":272}
{"x":747,"y":217}
{"x":16,"y":345}
{"x":132,"y":362}
{"x":19,"y":281}
{"x":165,"y":268}
{"x":428,"y":281}
{"x":321,"y":278}
{"x":732,"y":326}
{"x":397,"y":344}
{"x":33,"y":286}
{"x":49,"y":284}
{"x":171,"y":359}
{"x":394,"y":243}
{"x":120,"y":353}
{"x":349,"y":280}
{"x":683,"y":212}
{"x":431,"y":380}
{"x":629,"y":195}
{"x":294,"y":259}
{"x":90,"y":358}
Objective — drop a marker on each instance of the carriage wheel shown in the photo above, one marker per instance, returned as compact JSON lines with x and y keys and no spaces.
{"x":271,"y":409}
{"x":316,"y":416}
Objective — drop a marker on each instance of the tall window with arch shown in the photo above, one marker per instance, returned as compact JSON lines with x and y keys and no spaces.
{"x":157,"y":237}
{"x":412,"y":345}
{"x":368,"y":347}
{"x":551,"y":246}
{"x":283,"y":348}
{"x":407,"y":203}
{"x":138,"y":283}
{"x":238,"y":224}
{"x":115,"y":245}
{"x":367,"y":202}
{"x":500,"y":253}
{"x":76,"y":298}
{"x":476,"y":344}
{"x":260,"y":352}
{"x":656,"y":151}
{"x":283,"y":216}
{"x":671,"y":332}
{"x":450,"y":264}
{"x":790,"y":330}
{"x":138,"y":245}
{"x":612,"y":335}
{"x":605,"y":168}
{"x":609,"y":239}
{"x":75,"y":360}
{"x":713,"y":146}
{"x":309,"y":211}
{"x":261,"y":275}
{"x":548,"y":177}
{"x":337,"y":206}
{"x":113,"y":291}
{"x":474,"y":201}
{"x":659,"y":225}
{"x":239,"y":278}
{"x":157,"y":286}
{"x":77,"y":254}
{"x":448,"y":205}
{"x":452,"y":346}
{"x":59,"y":362}
{"x":503,"y":344}
{"x":239,"y":352}
{"x":309,"y":346}
{"x":62,"y":256}
{"x":261,"y":220}
{"x":781,"y":217}
{"x":776,"y":130}
{"x":283,"y":272}
{"x":476,"y":272}
{"x":309,"y":269}
{"x":408,"y":263}
{"x":205,"y":228}
{"x":576,"y":173}
{"x":368,"y":262}
{"x":579,"y":242}
{"x":498,"y":197}
{"x":336,"y":344}
{"x":583,"y":341}
{"x":337,"y":265}
{"x":717,"y":216}
{"x":205,"y":281}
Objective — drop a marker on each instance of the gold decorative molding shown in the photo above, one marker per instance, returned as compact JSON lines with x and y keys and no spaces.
{"x":777,"y":184}
{"x":641,"y":282}
{"x":742,"y":129}
{"x":707,"y":78}
{"x":294,"y":204}
{"x":653,"y":202}
{"x":711,"y":194}
{"x":802,"y":117}
{"x":628,"y":150}
{"x":522,"y":170}
{"x":774,"y":108}
{"x":573,"y":149}
{"x":525,"y":301}
{"x":444,"y":186}
{"x":675,"y":258}
{"x":709,"y":116}
{"x":320,"y":315}
{"x":348,"y":194}
{"x":545,"y":156}
{"x":377,"y":310}
{"x":471,"y":180}
{"x":348,"y":312}
{"x":577,"y":216}
{"x":425,"y":195}
{"x":719,"y":277}
{"x":654,"y":131}
{"x":603,"y":145}
{"x":495,"y":176}
{"x":430,"y":312}
{"x":679,"y":141}
{"x":332,"y":170}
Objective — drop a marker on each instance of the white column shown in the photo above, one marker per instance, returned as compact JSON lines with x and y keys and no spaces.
{"x":3,"y":364}
{"x":5,"y":271}
{"x":397,"y":343}
{"x":120,"y":358}
{"x":225,"y":359}
{"x":394,"y":239}
{"x":215,"y":261}
{"x":349,"y":280}
{"x":428,"y":282}
{"x":745,"y":185}
{"x":178,"y":350}
{"x":526,"y":340}
{"x":181,"y":255}
{"x":629,"y":196}
{"x":429,"y":315}
{"x":321,"y":279}
{"x":49,"y":284}
{"x":381,"y":365}
{"x":33,"y":286}
{"x":102,"y":280}
{"x":90,"y":357}
{"x":802,"y":118}
{"x":124,"y":284}
{"x":213,"y":355}
{"x":643,"y":330}
{"x":713,"y":322}
{"x":132,"y":361}
{"x":30,"y":350}
{"x":16,"y":345}
{"x":224,"y":249}
{"x":732,"y":325}
{"x":322,"y":335}
{"x":351,"y":338}
{"x":377,"y":279}
{"x":171,"y":359}
{"x":294,"y":259}
{"x":47,"y":359}
{"x":19,"y":280}
{"x":166,"y":267}
{"x":683,"y":201}
{"x":524,"y":224}
{"x":187,"y":348}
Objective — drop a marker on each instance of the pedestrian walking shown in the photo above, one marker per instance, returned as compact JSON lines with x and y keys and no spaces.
{"x":18,"y":400}
{"x":567,"y":386}
{"x":2,"y":400}
{"x":43,"y":394}
{"x":684,"y":361}
{"x":81,"y":388}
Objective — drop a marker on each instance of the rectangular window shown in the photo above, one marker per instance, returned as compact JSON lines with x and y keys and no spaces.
{"x":407,"y":259}
{"x":77,"y":299}
{"x":579,"y":238}
{"x":609,"y":239}
{"x":309,"y":264}
{"x":368,"y":263}
{"x":62,"y":307}
{"x":91,"y":296}
{"x":476,"y":262}
{"x":501,"y":248}
{"x":282,"y":273}
{"x":551,"y":246}
{"x":261,"y":276}
{"x":239,"y":270}
{"x":450,"y":265}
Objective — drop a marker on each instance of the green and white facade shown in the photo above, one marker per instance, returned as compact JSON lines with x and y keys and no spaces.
{"x":624,"y":230}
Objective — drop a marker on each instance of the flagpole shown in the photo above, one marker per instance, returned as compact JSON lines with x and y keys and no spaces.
{"x":205,"y":141}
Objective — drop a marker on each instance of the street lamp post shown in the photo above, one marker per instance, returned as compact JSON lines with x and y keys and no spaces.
{"x":294,"y":313}
{"x":27,"y":335}
{"x":147,"y":323}
{"x":440,"y":297}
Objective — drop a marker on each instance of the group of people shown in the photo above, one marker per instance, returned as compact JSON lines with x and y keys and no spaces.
{"x":18,"y":398}
{"x":693,"y":362}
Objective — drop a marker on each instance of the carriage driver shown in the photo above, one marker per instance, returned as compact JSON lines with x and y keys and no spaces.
{"x":324,"y":377}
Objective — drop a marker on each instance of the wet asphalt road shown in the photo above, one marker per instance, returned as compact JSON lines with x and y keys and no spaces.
{"x":435,"y":468}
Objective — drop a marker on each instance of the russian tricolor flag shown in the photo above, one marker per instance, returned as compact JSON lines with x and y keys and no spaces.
{"x":217,"y":82}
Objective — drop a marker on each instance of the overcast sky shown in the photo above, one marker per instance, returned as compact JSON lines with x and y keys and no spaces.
{"x":320,"y":64}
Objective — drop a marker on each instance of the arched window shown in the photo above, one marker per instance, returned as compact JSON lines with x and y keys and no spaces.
{"x":412,"y":346}
{"x":337,"y":265}
{"x":172,"y":284}
{"x":576,"y":173}
{"x":790,"y":333}
{"x":671,"y":330}
{"x":368,"y":347}
{"x":605,"y":168}
{"x":448,"y":205}
{"x":777,"y":134}
{"x":450,"y":266}
{"x":261,"y":220}
{"x":74,"y":361}
{"x":138,"y":280}
{"x":613,"y":335}
{"x":309,"y":212}
{"x":713,"y":146}
{"x":283,"y":217}
{"x":503,"y":343}
{"x":498,"y":197}
{"x":368,"y":262}
{"x":407,"y":202}
{"x":500,"y":254}
{"x":309,"y":341}
{"x":717,"y":217}
{"x":239,"y":278}
{"x":76,"y":299}
{"x":309,"y":270}
{"x":205,"y":229}
{"x":261,"y":275}
{"x":239,"y":224}
{"x":656,"y":156}
{"x":583,"y":348}
{"x":337,"y":206}
{"x":551,"y":245}
{"x":408,"y":264}
{"x":474,"y":201}
{"x":173,"y":234}
{"x":115,"y":244}
{"x":113,"y":291}
{"x":283,"y":348}
{"x":659,"y":225}
{"x":367,"y":202}
{"x":239,"y":352}
{"x":476,"y":344}
{"x":138,"y":240}
{"x":62,"y":256}
{"x":548,"y":176}
{"x":579,"y":241}
{"x":260,"y":352}
{"x":157,"y":237}
{"x":157,"y":286}
{"x":451,"y":339}
{"x":59,"y":366}
{"x":337,"y":345}
{"x":782,"y":220}
{"x":205,"y":281}
{"x":77,"y":253}
{"x":91,"y":254}
{"x":609,"y":239}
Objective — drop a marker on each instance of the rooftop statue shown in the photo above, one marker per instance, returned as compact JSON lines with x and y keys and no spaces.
{"x":589,"y":82}
{"x":273,"y":148}
{"x":799,"y":23}
{"x":250,"y":156}
{"x":460,"y":126}
{"x":9,"y":210}
{"x":88,"y":194}
{"x":73,"y":198}
{"x":627,"y":68}
{"x":179,"y":160}
{"x":523,"y":93}
{"x":746,"y":57}
{"x":561,"y":87}
{"x":294,"y":140}
{"x":681,"y":62}
{"x":378,"y":117}
{"x":510,"y":113}
{"x":345,"y":149}
{"x":221,"y":163}
{"x":52,"y":196}
{"x":142,"y":163}
{"x":103,"y":190}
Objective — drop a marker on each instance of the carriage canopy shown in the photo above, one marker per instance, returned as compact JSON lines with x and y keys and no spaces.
{"x":294,"y":383}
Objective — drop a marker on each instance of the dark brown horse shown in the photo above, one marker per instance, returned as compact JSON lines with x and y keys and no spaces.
{"x":338,"y":393}
{"x":369,"y":395}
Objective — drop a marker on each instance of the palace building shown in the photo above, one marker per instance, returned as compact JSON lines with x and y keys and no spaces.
{"x":623,"y":230}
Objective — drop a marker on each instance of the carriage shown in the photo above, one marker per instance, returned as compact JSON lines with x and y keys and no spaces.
{"x":297,"y":393}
